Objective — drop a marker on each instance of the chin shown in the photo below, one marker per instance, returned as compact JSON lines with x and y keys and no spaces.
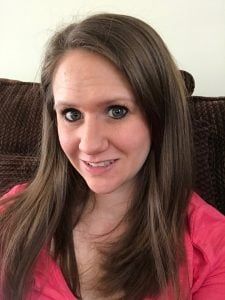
{"x":102,"y":189}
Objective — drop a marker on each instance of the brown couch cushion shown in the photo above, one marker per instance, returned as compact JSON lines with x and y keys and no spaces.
{"x":189,"y":82}
{"x":20,"y":111}
{"x":208,"y":120}
{"x":20,"y":131}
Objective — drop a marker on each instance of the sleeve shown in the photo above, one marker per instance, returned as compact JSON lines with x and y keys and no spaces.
{"x":209,"y":256}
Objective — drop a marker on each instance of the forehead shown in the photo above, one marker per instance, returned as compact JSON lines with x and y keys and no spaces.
{"x":83,"y":73}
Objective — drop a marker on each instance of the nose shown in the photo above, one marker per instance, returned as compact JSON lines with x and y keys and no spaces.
{"x":93,"y":137}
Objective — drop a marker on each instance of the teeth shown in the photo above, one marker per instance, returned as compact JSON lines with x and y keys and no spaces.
{"x":100,"y":164}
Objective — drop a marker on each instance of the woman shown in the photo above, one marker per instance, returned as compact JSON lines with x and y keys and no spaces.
{"x":110,"y":213}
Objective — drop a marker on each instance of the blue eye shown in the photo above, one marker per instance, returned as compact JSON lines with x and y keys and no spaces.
{"x":117,"y":111}
{"x":72,"y":115}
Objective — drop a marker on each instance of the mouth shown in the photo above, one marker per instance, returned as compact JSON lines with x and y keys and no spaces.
{"x":100,"y":164}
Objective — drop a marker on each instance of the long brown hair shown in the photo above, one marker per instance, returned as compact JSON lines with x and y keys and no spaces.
{"x":147,"y":257}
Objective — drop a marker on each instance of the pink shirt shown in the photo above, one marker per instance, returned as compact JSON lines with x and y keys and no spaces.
{"x":203,"y":278}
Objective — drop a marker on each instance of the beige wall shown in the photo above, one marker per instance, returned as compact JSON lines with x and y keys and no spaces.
{"x":194,"y":31}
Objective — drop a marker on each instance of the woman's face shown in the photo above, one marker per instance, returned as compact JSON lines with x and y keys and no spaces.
{"x":101,"y":129}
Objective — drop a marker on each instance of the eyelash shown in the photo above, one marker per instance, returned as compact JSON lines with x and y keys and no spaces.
{"x":70,"y":110}
{"x":122,"y":108}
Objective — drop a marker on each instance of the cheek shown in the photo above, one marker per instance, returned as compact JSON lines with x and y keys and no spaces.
{"x":66,"y":141}
{"x":136,"y":140}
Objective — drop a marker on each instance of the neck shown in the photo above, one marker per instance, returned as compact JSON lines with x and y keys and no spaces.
{"x":112,"y":206}
{"x":105,"y":211}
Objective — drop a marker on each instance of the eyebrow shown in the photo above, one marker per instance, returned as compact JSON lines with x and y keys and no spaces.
{"x":63,"y":103}
{"x":101,"y":103}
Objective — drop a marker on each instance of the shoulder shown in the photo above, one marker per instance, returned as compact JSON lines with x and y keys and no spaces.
{"x":204,"y":220}
{"x":14,"y":190}
{"x":205,"y":249}
{"x":5,"y":200}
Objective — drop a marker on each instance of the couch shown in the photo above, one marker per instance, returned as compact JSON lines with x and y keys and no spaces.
{"x":20,"y":135}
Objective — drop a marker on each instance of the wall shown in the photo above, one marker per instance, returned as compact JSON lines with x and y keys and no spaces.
{"x":194,"y":31}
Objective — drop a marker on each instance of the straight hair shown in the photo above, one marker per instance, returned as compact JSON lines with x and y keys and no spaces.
{"x":145,"y":259}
